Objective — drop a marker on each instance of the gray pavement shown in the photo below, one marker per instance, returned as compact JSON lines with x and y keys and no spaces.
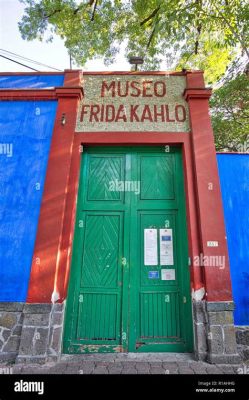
{"x":146,"y":363}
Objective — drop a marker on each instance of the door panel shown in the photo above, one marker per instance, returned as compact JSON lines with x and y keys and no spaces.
{"x":159,"y":315}
{"x":101,"y":251}
{"x":93,"y":321}
{"x":97,"y":319}
{"x":157,"y":177}
{"x":156,"y":220}
{"x":99,"y":294}
{"x":115,"y":301}
{"x":160,"y":319}
{"x":102,"y":171}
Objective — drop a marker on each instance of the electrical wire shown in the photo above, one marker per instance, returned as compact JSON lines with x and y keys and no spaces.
{"x":28,"y":59}
{"x":7,"y":58}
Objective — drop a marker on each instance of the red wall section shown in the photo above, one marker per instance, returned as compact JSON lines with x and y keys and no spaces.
{"x":210,"y":211}
{"x":49,"y":251}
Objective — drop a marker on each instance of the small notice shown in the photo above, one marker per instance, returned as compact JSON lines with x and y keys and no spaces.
{"x":150,"y":247}
{"x":212,"y":243}
{"x":166,"y":247}
{"x":168,"y":275}
{"x":153,"y":274}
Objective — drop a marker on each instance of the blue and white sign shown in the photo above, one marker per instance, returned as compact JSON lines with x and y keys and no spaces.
{"x":153,"y":274}
{"x":166,"y":247}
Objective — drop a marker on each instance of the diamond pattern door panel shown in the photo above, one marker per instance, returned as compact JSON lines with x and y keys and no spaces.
{"x":100,"y":256}
{"x":99,"y":301}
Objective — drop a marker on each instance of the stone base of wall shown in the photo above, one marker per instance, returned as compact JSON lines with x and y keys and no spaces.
{"x":242,"y":339}
{"x":30,"y":332}
{"x":215,"y":340}
{"x":11,"y":320}
{"x":41,"y":333}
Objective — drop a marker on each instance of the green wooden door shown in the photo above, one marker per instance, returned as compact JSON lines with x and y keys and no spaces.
{"x":129,"y":286}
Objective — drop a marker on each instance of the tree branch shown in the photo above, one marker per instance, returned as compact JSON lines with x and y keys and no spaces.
{"x":151,"y":37}
{"x":150,"y":16}
{"x":94,"y":9}
{"x":197,"y":40}
{"x":52,"y":13}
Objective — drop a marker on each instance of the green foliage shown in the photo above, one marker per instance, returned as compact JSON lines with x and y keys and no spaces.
{"x":183,"y":32}
{"x":196,"y":34}
{"x":230,"y":114}
{"x":212,"y":59}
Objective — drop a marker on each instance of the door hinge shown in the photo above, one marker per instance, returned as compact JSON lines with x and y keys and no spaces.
{"x":184,"y":299}
{"x":81,"y":298}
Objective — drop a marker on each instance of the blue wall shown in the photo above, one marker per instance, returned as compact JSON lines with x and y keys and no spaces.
{"x":30,"y":81}
{"x":27,"y":127}
{"x":234,"y":178}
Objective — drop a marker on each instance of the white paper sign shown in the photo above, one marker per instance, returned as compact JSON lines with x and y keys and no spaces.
{"x":150,"y":247}
{"x":168,"y":275}
{"x":166,"y":247}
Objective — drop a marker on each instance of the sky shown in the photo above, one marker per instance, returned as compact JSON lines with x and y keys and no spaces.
{"x":53,"y":54}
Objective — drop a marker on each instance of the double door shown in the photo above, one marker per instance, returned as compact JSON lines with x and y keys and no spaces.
{"x":129,"y":286}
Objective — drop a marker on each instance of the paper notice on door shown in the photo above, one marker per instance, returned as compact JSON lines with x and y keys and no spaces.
{"x":166,"y":247}
{"x":168,"y":275}
{"x":150,"y":247}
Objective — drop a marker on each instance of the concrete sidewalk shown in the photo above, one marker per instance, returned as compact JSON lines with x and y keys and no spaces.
{"x":122,"y":363}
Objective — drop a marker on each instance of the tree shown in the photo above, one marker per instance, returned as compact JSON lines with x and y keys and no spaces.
{"x":192,"y":33}
{"x":230,"y":114}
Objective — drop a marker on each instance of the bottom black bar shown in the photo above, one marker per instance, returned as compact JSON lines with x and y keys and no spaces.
{"x":89,"y":386}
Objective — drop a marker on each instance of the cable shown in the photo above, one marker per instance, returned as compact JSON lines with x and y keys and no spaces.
{"x":28,"y":59}
{"x":19,"y":63}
